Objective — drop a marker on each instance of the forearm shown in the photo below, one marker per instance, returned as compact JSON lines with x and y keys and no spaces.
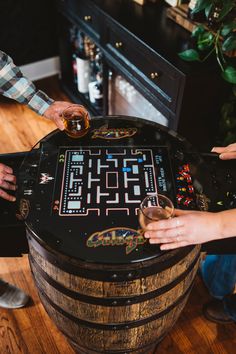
{"x":227,"y":223}
{"x":14,"y":85}
{"x":39,"y":102}
{"x":192,"y":227}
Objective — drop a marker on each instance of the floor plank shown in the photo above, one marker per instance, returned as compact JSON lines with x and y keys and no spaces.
{"x":27,"y":330}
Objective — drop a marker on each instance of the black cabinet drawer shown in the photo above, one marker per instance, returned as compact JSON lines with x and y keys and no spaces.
{"x":85,"y":13}
{"x":152,"y":70}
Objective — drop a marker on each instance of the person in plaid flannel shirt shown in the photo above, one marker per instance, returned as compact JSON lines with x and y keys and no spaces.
{"x":14,"y":85}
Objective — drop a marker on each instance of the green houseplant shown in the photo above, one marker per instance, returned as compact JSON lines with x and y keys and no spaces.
{"x":217,"y":36}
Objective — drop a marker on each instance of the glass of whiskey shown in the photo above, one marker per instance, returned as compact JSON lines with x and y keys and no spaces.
{"x":76,"y":121}
{"x":153,"y":208}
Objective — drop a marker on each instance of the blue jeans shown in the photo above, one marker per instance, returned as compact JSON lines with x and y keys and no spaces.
{"x":219,"y":275}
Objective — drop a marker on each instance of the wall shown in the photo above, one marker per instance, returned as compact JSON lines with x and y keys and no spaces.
{"x":28,"y":30}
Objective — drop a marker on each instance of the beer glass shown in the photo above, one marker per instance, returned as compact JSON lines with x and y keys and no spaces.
{"x":76,"y":121}
{"x":153,"y":208}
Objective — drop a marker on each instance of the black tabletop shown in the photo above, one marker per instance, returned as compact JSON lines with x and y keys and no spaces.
{"x":82,"y":196}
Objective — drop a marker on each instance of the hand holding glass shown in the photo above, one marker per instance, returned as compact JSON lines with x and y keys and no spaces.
{"x":76,"y":121}
{"x":153,"y":208}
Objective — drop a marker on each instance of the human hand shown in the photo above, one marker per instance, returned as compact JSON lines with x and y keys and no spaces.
{"x":227,"y":152}
{"x":7,"y":181}
{"x":54,"y":112}
{"x":187,"y":228}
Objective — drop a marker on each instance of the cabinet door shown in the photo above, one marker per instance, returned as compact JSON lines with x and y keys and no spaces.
{"x":157,"y":75}
{"x":84,"y":14}
{"x":125,"y":99}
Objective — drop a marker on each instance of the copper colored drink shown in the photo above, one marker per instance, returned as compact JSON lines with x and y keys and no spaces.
{"x":153,"y":208}
{"x":76,"y":121}
{"x":152,"y":214}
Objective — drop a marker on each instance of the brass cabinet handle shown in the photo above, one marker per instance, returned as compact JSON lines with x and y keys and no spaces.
{"x":154,"y":75}
{"x":87,"y":18}
{"x":118,"y":44}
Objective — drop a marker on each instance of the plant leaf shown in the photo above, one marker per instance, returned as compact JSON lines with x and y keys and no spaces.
{"x":229,"y":74}
{"x":229,"y":43}
{"x":205,"y":41}
{"x":189,"y":55}
{"x":226,"y":8}
{"x":227,"y":28}
{"x":198,"y":30}
{"x":201,"y":5}
{"x":208,"y":10}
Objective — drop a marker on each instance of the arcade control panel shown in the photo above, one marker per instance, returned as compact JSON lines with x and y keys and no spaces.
{"x":220,"y":188}
{"x":12,"y":230}
{"x":221,"y":185}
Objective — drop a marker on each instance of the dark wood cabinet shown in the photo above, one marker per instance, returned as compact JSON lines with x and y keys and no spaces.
{"x":140,"y":63}
{"x":142,"y":44}
{"x":85,"y":15}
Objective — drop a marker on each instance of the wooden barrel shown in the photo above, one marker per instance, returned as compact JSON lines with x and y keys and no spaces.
{"x":113,"y":308}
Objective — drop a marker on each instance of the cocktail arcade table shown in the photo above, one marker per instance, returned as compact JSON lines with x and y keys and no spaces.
{"x":101,"y":282}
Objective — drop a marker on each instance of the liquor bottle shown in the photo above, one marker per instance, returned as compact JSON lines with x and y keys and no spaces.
{"x":98,"y":91}
{"x":195,"y":16}
{"x":95,"y":85}
{"x":83,"y":65}
{"x":74,"y":46}
{"x":74,"y":68}
{"x":93,"y":74}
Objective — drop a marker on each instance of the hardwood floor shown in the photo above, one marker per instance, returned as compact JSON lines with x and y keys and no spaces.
{"x":21,"y":128}
{"x":30,"y":330}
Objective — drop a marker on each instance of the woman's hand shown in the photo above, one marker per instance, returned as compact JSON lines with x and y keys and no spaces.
{"x":227,"y":152}
{"x":186,"y":228}
{"x":7,"y":182}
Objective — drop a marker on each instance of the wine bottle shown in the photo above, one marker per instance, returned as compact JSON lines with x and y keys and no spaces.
{"x":98,"y":91}
{"x":93,"y":73}
{"x":83,"y":65}
{"x":73,"y":41}
{"x":95,"y":85}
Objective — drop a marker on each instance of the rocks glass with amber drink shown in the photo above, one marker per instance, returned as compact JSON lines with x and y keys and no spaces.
{"x":153,"y":208}
{"x":76,"y":121}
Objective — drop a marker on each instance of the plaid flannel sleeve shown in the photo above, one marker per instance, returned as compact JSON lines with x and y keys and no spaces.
{"x":14,"y":85}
